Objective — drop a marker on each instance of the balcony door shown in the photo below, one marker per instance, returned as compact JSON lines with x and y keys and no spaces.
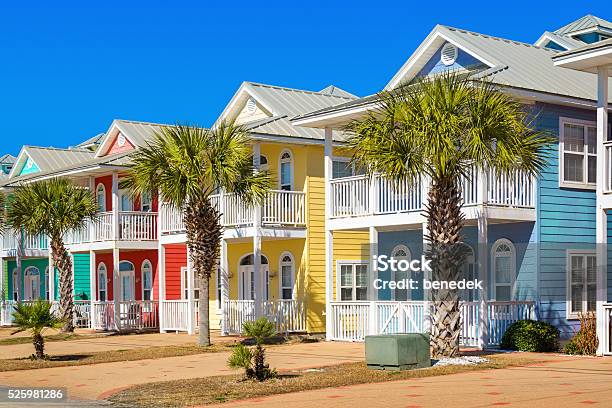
{"x":127,"y":280}
{"x":246,"y":276}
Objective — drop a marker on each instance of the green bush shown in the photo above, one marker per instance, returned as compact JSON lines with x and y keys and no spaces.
{"x":585,"y":341}
{"x":531,"y":335}
{"x":572,"y":346}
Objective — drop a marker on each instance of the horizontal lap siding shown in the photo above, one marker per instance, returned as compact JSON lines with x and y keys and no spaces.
{"x":175,"y":259}
{"x":315,"y":248}
{"x":82,"y":290}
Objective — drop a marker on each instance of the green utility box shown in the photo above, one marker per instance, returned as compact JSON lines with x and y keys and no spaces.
{"x":397,"y":351}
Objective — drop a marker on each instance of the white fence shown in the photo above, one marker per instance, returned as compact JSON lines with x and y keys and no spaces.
{"x":359,"y":195}
{"x":279,"y":208}
{"x":133,"y":315}
{"x":352,"y":321}
{"x":607,"y":328}
{"x":82,"y":312}
{"x":133,"y":226}
{"x":287,"y":315}
{"x":10,"y":241}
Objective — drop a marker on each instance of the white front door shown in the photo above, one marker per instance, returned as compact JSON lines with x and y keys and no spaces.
{"x":32,"y":285}
{"x":247,"y":281}
{"x":127,"y":286}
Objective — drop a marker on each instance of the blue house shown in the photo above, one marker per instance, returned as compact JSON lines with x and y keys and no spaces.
{"x":532,"y":241}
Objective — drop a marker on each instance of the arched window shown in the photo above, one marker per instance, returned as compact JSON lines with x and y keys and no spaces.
{"x":101,"y":197}
{"x":263,"y":163}
{"x":401,"y":253}
{"x":102,"y":288}
{"x":147,"y":280}
{"x":286,"y":171}
{"x":15,"y":285}
{"x":31,"y":284}
{"x":127,"y":273}
{"x":504,"y":269}
{"x":287,"y":276}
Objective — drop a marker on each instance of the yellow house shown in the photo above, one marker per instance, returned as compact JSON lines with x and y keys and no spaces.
{"x":272,"y":259}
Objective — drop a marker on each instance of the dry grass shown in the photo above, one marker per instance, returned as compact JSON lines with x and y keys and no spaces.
{"x":214,"y":390}
{"x":9,"y":341}
{"x":110,"y":356}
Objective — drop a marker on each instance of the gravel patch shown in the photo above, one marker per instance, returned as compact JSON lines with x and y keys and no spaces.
{"x":464,"y":361}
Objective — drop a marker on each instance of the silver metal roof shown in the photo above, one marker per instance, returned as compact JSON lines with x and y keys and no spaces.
{"x":7,"y":159}
{"x":50,"y":158}
{"x":584,"y":23}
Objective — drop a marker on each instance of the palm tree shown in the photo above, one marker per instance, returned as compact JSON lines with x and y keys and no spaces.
{"x":35,"y":317}
{"x":440,"y":129}
{"x":54,"y":207}
{"x":187,"y":165}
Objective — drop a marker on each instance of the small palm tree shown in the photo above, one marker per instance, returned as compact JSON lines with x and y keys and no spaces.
{"x":187,"y":165}
{"x":35,"y":317}
{"x":442,"y":128}
{"x":254,"y":362}
{"x":52,"y":208}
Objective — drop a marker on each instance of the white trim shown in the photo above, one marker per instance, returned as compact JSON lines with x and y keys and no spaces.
{"x":245,"y":88}
{"x":341,"y":262}
{"x":393,"y":273}
{"x":263,"y":267}
{"x":27,"y":294}
{"x":572,"y":184}
{"x":291,"y":168}
{"x":513,"y":271}
{"x":132,"y":274}
{"x":102,"y":264}
{"x":142,"y":280}
{"x":280,"y":274}
{"x":569,"y":315}
{"x":547,"y":37}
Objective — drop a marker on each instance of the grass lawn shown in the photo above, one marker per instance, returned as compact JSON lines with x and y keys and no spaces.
{"x":214,"y":390}
{"x":110,"y":356}
{"x":50,"y":338}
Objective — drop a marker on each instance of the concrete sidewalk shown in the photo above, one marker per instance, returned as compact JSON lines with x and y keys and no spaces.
{"x":558,"y":383}
{"x":98,"y":381}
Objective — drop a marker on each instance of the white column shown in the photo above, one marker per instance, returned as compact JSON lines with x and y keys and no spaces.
{"x":483,"y":275}
{"x":260,"y":280}
{"x":427,"y":276}
{"x":19,"y":255}
{"x":51,"y":281}
{"x":161,"y":267}
{"x":190,"y":300}
{"x":224,"y":271}
{"x":601,"y":234}
{"x":90,"y":225}
{"x":372,"y":267}
{"x":92,"y":286}
{"x":329,"y":237}
{"x":115,"y":209}
{"x":3,"y":289}
{"x":116,"y":288}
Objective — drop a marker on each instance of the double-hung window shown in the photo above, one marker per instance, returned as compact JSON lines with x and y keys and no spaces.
{"x":578,"y":154}
{"x":581,"y":282}
{"x":353,"y":280}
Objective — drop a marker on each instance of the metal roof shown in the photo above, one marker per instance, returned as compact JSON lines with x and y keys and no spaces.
{"x":584,"y":23}
{"x":563,"y":40}
{"x":7,"y":159}
{"x":281,"y":126}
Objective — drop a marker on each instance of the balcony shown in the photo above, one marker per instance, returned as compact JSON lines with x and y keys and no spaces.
{"x":30,"y":244}
{"x":131,"y":226}
{"x":360,"y":197}
{"x":279,"y":209}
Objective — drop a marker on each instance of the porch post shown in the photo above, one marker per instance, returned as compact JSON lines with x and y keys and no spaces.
{"x":483,"y":274}
{"x":427,"y":275}
{"x":90,"y":225}
{"x":224,"y":281}
{"x":190,"y":302}
{"x":92,"y":284}
{"x":329,"y":237}
{"x":51,"y":282}
{"x":601,"y":216}
{"x":116,"y":289}
{"x":115,"y":209}
{"x":373,"y":252}
{"x":260,"y":280}
{"x":161,"y":267}
{"x":18,"y":256}
{"x":3,"y":288}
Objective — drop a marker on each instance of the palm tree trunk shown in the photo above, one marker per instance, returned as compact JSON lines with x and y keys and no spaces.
{"x":62,"y":261}
{"x":39,"y":345}
{"x":445,"y":222}
{"x":204,"y":233}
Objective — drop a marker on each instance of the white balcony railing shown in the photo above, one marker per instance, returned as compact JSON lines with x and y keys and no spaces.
{"x":352,"y":321}
{"x":280,"y":208}
{"x":133,"y":226}
{"x":10,"y":241}
{"x":360,"y":195}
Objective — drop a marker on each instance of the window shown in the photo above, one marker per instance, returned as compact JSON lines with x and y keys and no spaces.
{"x":147,"y":280}
{"x":578,"y":147}
{"x":126,"y":203}
{"x":286,"y":276}
{"x":401,"y":252}
{"x":127,"y":274}
{"x":146,"y":202}
{"x":15,"y":285}
{"x":219,"y":287}
{"x":353,"y":281}
{"x":102,"y":282}
{"x":263,"y":163}
{"x":101,"y":197}
{"x":582,"y":282}
{"x":246,"y":278}
{"x":342,"y":167}
{"x":504,"y":270}
{"x":469,"y":273}
{"x":47,"y":283}
{"x":286,"y":171}
{"x":196,"y":284}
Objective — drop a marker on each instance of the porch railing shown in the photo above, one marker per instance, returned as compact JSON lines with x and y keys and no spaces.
{"x":360,"y":195}
{"x":287,"y":315}
{"x":133,"y":315}
{"x":352,"y":321}
{"x":279,"y":208}
{"x":10,"y":241}
{"x":82,"y":312}
{"x":133,"y":226}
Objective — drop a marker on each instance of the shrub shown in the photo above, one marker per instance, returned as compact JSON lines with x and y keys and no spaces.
{"x":35,"y":318}
{"x":253,"y":360}
{"x":585,"y":341}
{"x":531,"y":335}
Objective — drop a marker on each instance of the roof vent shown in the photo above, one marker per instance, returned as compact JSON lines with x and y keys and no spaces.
{"x":121,"y":140}
{"x":251,"y":106}
{"x":449,"y":54}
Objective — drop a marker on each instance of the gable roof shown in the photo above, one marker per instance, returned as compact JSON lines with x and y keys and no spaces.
{"x":585,"y":24}
{"x":138,"y":133}
{"x":92,"y":141}
{"x":7,"y":159}
{"x":49,"y":158}
{"x":565,"y":41}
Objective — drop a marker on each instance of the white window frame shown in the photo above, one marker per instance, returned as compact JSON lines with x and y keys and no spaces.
{"x":131,"y":274}
{"x":568,"y":278}
{"x":496,"y":244}
{"x":291,"y":164}
{"x":47,"y":285}
{"x":574,"y":184}
{"x":142,"y":279}
{"x":408,"y":274}
{"x":344,"y":160}
{"x":196,"y":284}
{"x":281,"y":263}
{"x":98,"y":196}
{"x":219,"y":288}
{"x":339,"y":263}
{"x":98,"y":271}
{"x":149,"y":201}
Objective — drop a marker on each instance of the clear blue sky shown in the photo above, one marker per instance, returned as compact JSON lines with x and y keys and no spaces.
{"x":69,"y":68}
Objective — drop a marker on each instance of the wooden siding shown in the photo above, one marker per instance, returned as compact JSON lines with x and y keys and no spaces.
{"x":82,"y":290}
{"x":175,"y":259}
